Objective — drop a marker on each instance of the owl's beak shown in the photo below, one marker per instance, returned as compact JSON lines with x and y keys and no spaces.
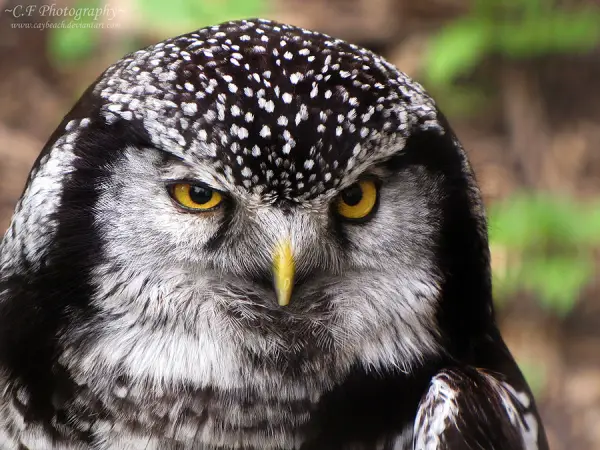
{"x":284,"y":268}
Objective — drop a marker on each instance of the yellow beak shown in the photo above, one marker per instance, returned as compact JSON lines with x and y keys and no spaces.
{"x":284,"y":269}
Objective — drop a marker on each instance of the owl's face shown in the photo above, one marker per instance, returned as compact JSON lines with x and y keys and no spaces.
{"x":176,"y":243}
{"x":253,"y":192}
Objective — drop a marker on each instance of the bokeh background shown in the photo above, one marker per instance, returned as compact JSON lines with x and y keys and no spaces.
{"x":519,"y":81}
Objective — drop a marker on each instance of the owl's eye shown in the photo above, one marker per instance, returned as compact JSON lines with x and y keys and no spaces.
{"x":358,"y":200}
{"x":195,"y":197}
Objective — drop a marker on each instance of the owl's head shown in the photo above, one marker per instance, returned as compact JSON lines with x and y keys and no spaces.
{"x":259,"y":185}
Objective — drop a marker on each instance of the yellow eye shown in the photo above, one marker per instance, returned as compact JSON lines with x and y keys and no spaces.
{"x":195,"y":197}
{"x":358,"y":200}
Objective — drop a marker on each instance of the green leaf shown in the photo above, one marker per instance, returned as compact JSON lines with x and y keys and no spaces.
{"x":512,"y":28}
{"x":75,"y":41}
{"x":589,"y":227}
{"x":557,"y":281}
{"x":456,"y":50}
{"x":71,"y":44}
{"x":554,"y":32}
{"x":511,"y":224}
{"x":552,"y":239}
{"x":526,"y":221}
{"x":179,"y":16}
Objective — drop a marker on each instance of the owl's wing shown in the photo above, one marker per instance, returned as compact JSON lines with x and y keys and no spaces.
{"x":468,"y":409}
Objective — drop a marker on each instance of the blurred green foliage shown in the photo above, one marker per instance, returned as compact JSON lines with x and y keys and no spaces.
{"x":160,"y":18}
{"x":547,"y":245}
{"x":77,"y":42}
{"x":179,"y":16}
{"x":512,"y":29}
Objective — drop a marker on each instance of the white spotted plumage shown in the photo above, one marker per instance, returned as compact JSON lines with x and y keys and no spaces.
{"x":126,"y":81}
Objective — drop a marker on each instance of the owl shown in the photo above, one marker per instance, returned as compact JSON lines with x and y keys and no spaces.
{"x":254,"y":236}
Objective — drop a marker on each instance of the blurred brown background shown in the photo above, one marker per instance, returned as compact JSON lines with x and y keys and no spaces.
{"x":519,"y":81}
